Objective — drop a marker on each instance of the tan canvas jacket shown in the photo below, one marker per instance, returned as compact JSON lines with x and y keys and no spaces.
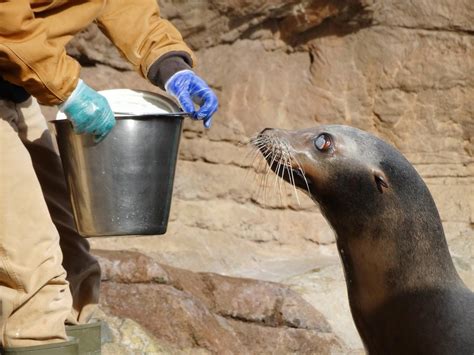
{"x":33,"y":34}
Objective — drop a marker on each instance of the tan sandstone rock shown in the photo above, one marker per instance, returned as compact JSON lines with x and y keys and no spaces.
{"x":206,"y":312}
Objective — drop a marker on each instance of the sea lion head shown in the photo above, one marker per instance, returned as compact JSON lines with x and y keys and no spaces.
{"x":355,"y":177}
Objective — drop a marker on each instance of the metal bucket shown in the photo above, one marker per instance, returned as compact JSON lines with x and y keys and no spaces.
{"x":123,"y":184}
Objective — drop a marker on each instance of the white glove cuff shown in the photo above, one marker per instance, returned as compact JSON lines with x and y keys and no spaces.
{"x":174,"y":76}
{"x":63,"y":105}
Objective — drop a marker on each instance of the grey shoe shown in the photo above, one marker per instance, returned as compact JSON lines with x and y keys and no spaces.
{"x":88,"y":336}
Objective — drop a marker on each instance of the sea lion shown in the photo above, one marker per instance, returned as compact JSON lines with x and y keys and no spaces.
{"x":404,"y":292}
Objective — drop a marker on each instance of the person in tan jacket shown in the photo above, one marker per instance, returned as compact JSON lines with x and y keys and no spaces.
{"x":47,"y":276}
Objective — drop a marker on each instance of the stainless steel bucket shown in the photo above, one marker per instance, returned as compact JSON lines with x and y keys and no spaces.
{"x":123,"y":184}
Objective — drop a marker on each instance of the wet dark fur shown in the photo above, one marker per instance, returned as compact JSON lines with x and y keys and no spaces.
{"x":421,"y":306}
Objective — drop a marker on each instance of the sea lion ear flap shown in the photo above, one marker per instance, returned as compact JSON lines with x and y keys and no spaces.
{"x":380,"y":180}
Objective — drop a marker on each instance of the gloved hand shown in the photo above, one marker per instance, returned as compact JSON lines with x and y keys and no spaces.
{"x":89,"y":111}
{"x":187,"y":87}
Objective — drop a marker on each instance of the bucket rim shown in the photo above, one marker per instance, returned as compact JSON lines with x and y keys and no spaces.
{"x":146,"y":104}
{"x":147,"y":117}
{"x":168,"y":100}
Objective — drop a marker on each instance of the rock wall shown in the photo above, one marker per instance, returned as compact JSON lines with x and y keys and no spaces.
{"x":402,"y":70}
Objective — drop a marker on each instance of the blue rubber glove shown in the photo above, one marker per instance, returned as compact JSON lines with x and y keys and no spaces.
{"x":187,"y":88}
{"x":89,"y":111}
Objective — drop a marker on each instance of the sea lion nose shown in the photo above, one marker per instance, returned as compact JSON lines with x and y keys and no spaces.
{"x":266,"y":130}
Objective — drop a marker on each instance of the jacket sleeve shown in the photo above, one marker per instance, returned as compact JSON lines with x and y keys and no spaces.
{"x":138,"y":31}
{"x":31,"y":59}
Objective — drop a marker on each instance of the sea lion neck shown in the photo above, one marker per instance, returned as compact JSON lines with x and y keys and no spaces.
{"x":391,"y":243}
{"x":391,"y":264}
{"x":382,"y":272}
{"x":400,"y":245}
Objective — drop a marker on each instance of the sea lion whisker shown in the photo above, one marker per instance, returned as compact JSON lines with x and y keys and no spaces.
{"x":273,"y":156}
{"x":254,"y":150}
{"x":276,"y":155}
{"x":257,"y":166}
{"x":268,"y":154}
{"x":261,"y":176}
{"x":260,"y":171}
{"x":261,"y":144}
{"x":279,"y":173}
{"x":279,"y":166}
{"x":291,"y":176}
{"x":292,"y":158}
{"x":284,"y":171}
{"x":285,"y":192}
{"x":265,"y":182}
{"x":266,"y":174}
{"x":257,"y":157}
{"x":278,"y":179}
{"x":264,"y":148}
{"x":294,"y":188}
{"x":280,"y":184}
{"x":303,"y":174}
{"x":258,"y":138}
{"x":272,"y":162}
{"x":251,"y":168}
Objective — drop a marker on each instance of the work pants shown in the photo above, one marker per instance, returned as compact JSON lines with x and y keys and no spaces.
{"x":47,"y":276}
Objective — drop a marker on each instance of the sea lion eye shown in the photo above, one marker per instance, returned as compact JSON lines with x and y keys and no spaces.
{"x":323,"y":142}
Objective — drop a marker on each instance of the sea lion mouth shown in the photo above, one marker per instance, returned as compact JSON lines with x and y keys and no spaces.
{"x":281,"y":159}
